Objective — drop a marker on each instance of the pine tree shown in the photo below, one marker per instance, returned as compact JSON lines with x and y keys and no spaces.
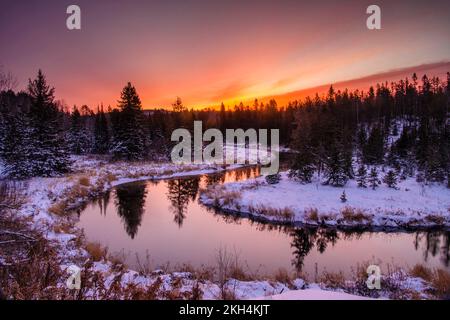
{"x":128,"y":129}
{"x":101,"y":133}
{"x":78,"y":139}
{"x":361,"y":176}
{"x":390,"y":179}
{"x":343,"y":197}
{"x":373,"y":178}
{"x":38,"y":148}
{"x":373,"y":151}
{"x":434,"y":169}
{"x":338,"y":166}
{"x":302,"y":167}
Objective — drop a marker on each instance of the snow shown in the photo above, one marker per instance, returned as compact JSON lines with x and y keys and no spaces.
{"x":411,"y":205}
{"x":313,"y":294}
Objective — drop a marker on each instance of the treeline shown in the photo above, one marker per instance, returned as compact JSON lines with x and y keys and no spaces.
{"x":402,"y":127}
{"x":339,"y":136}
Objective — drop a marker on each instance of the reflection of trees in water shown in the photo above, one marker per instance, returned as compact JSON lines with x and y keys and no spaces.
{"x":130,"y":201}
{"x":180,"y":192}
{"x":246,"y":173}
{"x":103,"y":202}
{"x":212,"y":179}
{"x":304,"y":240}
{"x":434,"y":243}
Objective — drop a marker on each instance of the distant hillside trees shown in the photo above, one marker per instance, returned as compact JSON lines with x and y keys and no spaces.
{"x":402,"y":125}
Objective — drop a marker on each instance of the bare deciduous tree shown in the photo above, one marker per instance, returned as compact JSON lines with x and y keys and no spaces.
{"x":7,"y":80}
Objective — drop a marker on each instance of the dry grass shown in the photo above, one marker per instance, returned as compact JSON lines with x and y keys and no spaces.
{"x":284,"y":214}
{"x":312,"y":214}
{"x":441,"y":283}
{"x":58,"y":208}
{"x":229,"y":197}
{"x":350,"y":214}
{"x":110,"y":177}
{"x":96,"y":251}
{"x":420,"y":271}
{"x":439,"y":220}
{"x":62,"y":228}
{"x":84,"y":181}
{"x":282,"y":275}
{"x":333,"y":280}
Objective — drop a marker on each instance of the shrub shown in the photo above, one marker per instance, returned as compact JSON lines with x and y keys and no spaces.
{"x":96,"y":251}
{"x":273,"y":178}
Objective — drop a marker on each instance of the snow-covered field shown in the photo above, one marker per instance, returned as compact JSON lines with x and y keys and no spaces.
{"x":411,"y":205}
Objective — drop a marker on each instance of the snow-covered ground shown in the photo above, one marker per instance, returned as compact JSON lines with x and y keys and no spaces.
{"x":411,"y":205}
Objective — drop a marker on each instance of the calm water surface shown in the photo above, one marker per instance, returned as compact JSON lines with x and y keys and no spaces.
{"x":161,"y":223}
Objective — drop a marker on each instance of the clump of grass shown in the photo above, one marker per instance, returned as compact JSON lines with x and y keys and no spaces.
{"x":436,"y":219}
{"x":350,"y":214}
{"x":312,"y":214}
{"x":420,"y":271}
{"x":62,"y":228}
{"x":58,"y":208}
{"x":229,"y":197}
{"x":333,"y":280}
{"x":282,"y":275}
{"x":84,"y":181}
{"x":110,"y":177}
{"x":96,"y":251}
{"x":285,"y":214}
{"x":441,"y":283}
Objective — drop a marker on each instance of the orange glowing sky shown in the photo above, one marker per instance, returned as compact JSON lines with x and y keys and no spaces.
{"x":207,"y":52}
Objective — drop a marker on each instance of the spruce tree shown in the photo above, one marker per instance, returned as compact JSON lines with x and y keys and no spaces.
{"x":373,"y":178}
{"x":101,"y":132}
{"x":338,"y":166}
{"x":78,"y":139}
{"x":390,"y":179}
{"x":302,"y":168}
{"x":361,"y":176}
{"x":373,"y":151}
{"x":128,"y":129}
{"x":343,"y":197}
{"x":38,"y":148}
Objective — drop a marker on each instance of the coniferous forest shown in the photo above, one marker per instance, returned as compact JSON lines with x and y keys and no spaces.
{"x":403,"y":125}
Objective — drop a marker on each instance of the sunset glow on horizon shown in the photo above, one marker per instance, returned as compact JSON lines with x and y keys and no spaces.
{"x":208,"y":52}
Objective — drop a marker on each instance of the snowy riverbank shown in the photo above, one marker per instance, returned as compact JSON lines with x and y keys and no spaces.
{"x":409,"y":206}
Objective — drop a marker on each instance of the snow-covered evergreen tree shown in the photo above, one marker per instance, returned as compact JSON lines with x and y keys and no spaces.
{"x":374,"y":181}
{"x":128,"y":129}
{"x":35,"y":144}
{"x":47,"y":152}
{"x":343,"y":197}
{"x":302,"y":168}
{"x":390,"y":179}
{"x":101,"y":133}
{"x":78,"y":138}
{"x":338,"y":166}
{"x":361,"y":176}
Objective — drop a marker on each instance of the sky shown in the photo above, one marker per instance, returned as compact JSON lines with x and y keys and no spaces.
{"x":207,"y":52}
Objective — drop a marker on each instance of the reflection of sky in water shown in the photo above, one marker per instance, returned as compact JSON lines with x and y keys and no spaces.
{"x":165,"y":220}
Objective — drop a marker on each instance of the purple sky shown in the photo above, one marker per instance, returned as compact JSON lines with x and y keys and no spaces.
{"x":210,"y":51}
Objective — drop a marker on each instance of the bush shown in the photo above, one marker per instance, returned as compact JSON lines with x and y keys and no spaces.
{"x":273,"y":178}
